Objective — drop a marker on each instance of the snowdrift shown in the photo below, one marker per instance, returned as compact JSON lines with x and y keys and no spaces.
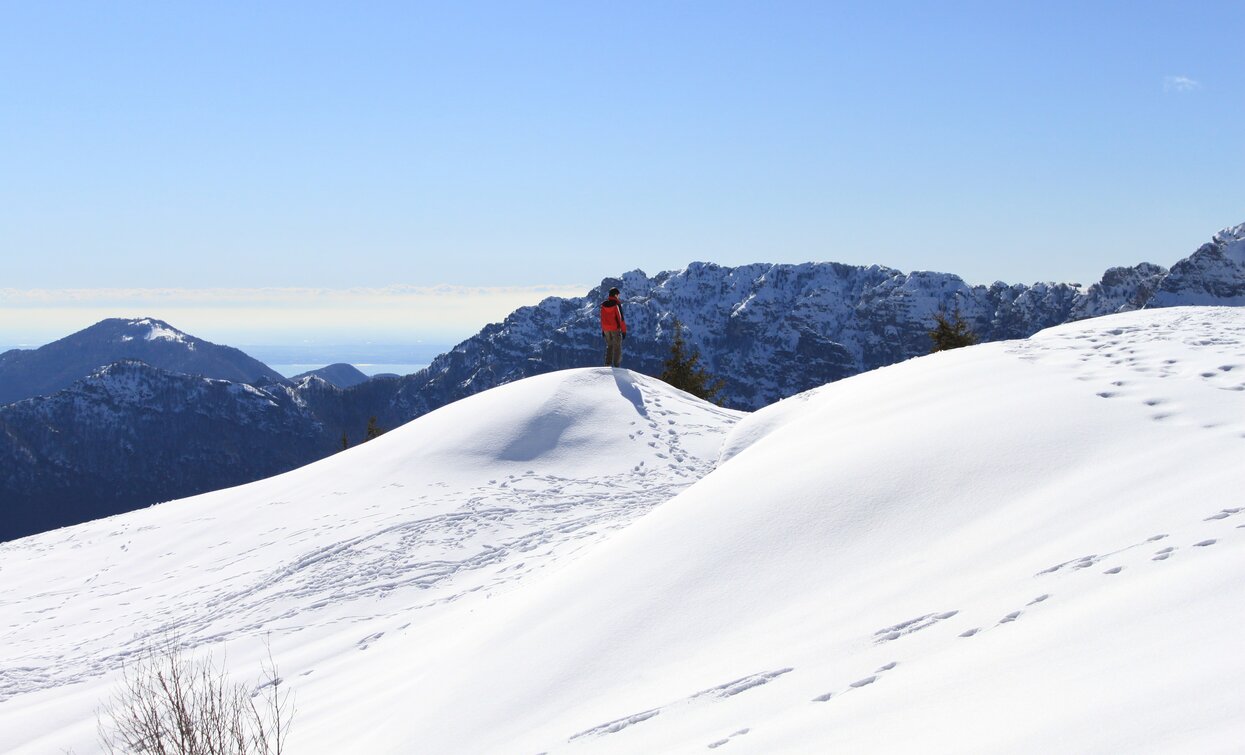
{"x":1028,"y":546}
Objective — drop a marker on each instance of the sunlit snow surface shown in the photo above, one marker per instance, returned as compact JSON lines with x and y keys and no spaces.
{"x":1032,"y":546}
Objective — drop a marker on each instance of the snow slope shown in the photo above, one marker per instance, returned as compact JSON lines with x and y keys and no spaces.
{"x":1028,"y":546}
{"x":462,"y":504}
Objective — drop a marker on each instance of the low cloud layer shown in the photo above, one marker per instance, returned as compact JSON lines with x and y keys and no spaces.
{"x":399,"y":314}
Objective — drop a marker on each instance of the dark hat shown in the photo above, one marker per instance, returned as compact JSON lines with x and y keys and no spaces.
{"x":614,"y":292}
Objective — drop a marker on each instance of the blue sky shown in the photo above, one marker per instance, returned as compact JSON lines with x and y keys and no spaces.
{"x":251,"y":146}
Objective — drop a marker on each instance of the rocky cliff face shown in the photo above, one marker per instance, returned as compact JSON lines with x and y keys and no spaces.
{"x":1214,"y":274}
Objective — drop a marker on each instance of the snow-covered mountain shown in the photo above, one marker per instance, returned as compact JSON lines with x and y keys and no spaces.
{"x":131,"y":434}
{"x":340,"y":374}
{"x":1027,"y":546}
{"x":56,"y":366}
{"x":772,"y":331}
{"x":1214,"y":274}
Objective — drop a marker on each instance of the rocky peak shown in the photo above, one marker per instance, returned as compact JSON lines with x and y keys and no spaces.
{"x":1214,"y":274}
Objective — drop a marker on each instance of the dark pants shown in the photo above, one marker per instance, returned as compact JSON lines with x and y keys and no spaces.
{"x":613,"y":348}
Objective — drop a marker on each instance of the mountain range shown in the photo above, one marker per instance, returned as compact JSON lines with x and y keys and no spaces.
{"x":768,"y":330}
{"x":771,"y":330}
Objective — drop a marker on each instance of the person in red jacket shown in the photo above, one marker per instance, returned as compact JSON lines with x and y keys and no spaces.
{"x":614,"y":328}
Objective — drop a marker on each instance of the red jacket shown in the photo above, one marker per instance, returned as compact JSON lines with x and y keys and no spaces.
{"x":612,"y":315}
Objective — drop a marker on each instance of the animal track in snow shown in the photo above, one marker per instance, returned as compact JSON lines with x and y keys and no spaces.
{"x":729,"y":689}
{"x":1223,"y":514}
{"x":911,"y":625}
{"x":721,"y":742}
{"x":367,"y":641}
{"x":1009,"y":618}
{"x":617,"y":725}
{"x":1114,"y":570}
{"x":865,"y":682}
{"x":1084,"y":562}
{"x":1205,"y":543}
{"x":1105,"y":366}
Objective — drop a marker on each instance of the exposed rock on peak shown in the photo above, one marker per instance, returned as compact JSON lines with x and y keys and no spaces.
{"x":1214,"y":274}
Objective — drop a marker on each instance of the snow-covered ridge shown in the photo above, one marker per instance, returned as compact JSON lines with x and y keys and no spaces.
{"x":1232,"y":242}
{"x":1214,"y":274}
{"x":1004,"y":548}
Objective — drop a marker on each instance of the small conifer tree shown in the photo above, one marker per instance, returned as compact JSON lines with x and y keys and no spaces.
{"x":373,"y":429}
{"x":950,"y":331}
{"x":683,"y":370}
{"x":345,"y":441}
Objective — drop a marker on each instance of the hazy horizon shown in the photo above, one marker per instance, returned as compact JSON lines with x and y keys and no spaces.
{"x":395,"y":315}
{"x":325,"y":320}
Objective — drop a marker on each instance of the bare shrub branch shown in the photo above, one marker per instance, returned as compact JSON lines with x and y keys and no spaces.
{"x":170,"y":704}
